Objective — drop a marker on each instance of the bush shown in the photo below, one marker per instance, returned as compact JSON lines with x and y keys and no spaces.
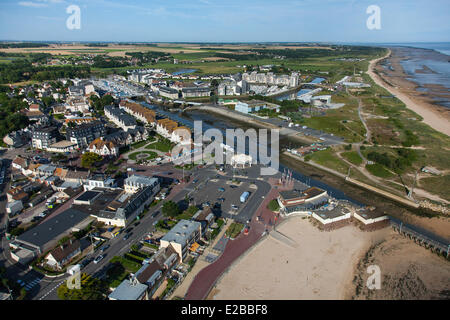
{"x":273,"y":205}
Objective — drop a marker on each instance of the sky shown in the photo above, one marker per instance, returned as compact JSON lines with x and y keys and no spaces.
{"x":226,"y":21}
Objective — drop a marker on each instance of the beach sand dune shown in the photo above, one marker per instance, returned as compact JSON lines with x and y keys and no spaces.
{"x":319,"y":267}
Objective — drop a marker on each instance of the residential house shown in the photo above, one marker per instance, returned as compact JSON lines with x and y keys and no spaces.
{"x":84,"y":134}
{"x":120,"y":118}
{"x":136,"y":182}
{"x":182,"y":236}
{"x":103,"y":148}
{"x":63,"y":254}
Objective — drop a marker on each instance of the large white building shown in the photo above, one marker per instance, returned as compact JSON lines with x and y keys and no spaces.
{"x":120,"y":118}
{"x":136,"y":182}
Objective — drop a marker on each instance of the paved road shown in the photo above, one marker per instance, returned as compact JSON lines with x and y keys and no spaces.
{"x":47,"y":290}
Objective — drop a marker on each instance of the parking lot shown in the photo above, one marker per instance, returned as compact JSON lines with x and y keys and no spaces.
{"x":221,"y":190}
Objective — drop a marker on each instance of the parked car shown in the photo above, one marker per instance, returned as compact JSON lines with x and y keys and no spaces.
{"x":128,"y":230}
{"x":104,"y":248}
{"x":85,"y":262}
{"x":127,"y":236}
{"x":98,"y":259}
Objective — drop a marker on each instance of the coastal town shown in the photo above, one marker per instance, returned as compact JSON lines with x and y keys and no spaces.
{"x":78,"y":181}
{"x":93,"y":191}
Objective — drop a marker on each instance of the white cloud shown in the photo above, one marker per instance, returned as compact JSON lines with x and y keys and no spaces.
{"x":38,"y":3}
{"x":32,"y":4}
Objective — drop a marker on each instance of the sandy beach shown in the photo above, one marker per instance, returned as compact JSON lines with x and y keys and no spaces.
{"x":319,"y":267}
{"x":436,"y":117}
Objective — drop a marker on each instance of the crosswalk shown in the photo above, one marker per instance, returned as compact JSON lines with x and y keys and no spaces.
{"x":32,"y":284}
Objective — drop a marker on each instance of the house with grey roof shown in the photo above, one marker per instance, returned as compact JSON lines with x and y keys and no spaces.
{"x":182,"y":236}
{"x":45,"y":235}
{"x":136,"y":182}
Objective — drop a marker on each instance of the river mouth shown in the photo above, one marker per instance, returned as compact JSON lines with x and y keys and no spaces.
{"x":337,"y":187}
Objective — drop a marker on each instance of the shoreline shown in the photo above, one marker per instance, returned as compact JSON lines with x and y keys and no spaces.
{"x":434,"y":116}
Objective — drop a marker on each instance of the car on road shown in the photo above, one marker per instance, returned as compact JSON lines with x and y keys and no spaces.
{"x":129,"y":230}
{"x":105,"y":248}
{"x":36,"y":218}
{"x":155,"y":214}
{"x":137,"y":223}
{"x":85,"y":262}
{"x":127,"y":236}
{"x":195,"y":181}
{"x":221,"y":189}
{"x":98,"y":259}
{"x":221,"y":199}
{"x":235,"y":207}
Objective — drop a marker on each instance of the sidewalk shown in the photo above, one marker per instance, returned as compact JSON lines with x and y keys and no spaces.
{"x":207,"y":277}
{"x":182,"y":289}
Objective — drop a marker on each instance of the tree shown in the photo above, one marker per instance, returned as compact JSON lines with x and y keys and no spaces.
{"x":273,"y":205}
{"x":170,"y":209}
{"x":91,"y":289}
{"x":88,"y":159}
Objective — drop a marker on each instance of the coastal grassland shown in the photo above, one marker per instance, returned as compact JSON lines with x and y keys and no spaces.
{"x":343,"y":122}
{"x":378,"y":170}
{"x":438,"y":185}
{"x":353,"y":157}
{"x":329,"y":159}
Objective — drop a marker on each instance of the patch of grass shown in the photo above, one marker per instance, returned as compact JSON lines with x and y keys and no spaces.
{"x":438,"y":185}
{"x":150,"y":155}
{"x":353,"y":157}
{"x":330,"y":160}
{"x":161,"y":146}
{"x":378,"y":170}
{"x":234,"y":229}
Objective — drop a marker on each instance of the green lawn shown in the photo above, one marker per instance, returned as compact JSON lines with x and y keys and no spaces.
{"x":353,"y":157}
{"x":161,"y":146}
